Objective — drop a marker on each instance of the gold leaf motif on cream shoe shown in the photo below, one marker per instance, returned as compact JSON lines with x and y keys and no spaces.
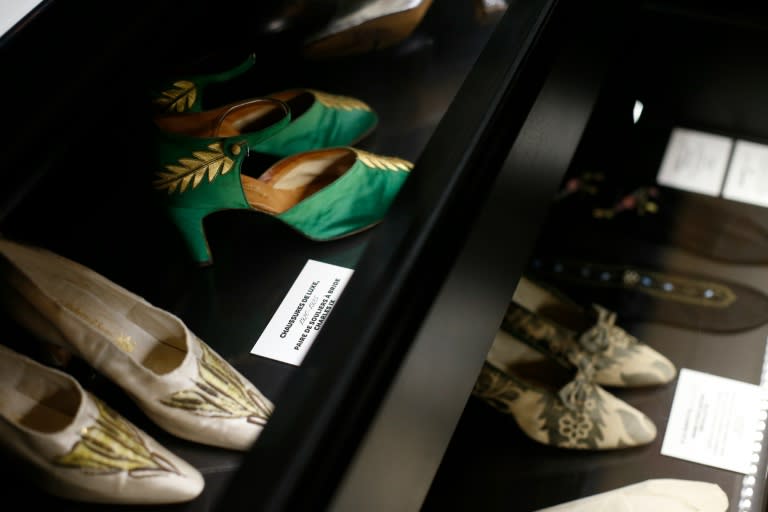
{"x":176,"y":379}
{"x":111,"y":444}
{"x":72,"y":445}
{"x":220,"y":393}
{"x":556,"y":406}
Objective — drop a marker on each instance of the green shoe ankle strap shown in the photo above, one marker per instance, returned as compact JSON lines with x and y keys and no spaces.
{"x":186,"y":94}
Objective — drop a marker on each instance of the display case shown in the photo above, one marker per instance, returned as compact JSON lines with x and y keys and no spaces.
{"x":682,"y":66}
{"x":496,"y":113}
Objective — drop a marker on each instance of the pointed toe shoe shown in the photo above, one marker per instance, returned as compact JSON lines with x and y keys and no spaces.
{"x":181,"y":383}
{"x":74,"y":446}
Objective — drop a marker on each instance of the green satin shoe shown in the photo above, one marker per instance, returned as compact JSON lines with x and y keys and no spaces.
{"x":319,"y":119}
{"x":215,"y":161}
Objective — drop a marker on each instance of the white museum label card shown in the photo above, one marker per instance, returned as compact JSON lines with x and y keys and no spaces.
{"x":714,"y":421}
{"x":695,"y":161}
{"x":747,"y":179}
{"x":302,"y":313}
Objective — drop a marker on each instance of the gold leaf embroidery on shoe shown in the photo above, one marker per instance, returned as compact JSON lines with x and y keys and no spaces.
{"x":123,"y":341}
{"x":339,"y":102}
{"x":112,"y":445}
{"x":220,"y":393}
{"x":180,"y":98}
{"x":387,"y":163}
{"x":193,"y":170}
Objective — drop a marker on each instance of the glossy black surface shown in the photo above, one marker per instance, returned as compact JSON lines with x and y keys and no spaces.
{"x":86,"y":197}
{"x":684,"y":78}
{"x":461,"y":232}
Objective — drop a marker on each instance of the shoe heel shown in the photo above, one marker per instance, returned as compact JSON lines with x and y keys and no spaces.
{"x":189,"y":222}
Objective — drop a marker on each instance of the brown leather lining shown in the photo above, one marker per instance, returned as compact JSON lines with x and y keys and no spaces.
{"x":226,"y":121}
{"x":299,"y":100}
{"x":262,"y":195}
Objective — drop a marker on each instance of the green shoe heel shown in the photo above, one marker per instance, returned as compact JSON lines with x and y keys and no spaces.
{"x":213,"y":162}
{"x":318,"y":119}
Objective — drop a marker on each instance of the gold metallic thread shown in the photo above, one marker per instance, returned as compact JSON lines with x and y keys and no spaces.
{"x":339,"y":102}
{"x":123,"y":341}
{"x":193,"y":170}
{"x":179,"y":98}
{"x":220,"y":393}
{"x":387,"y":163}
{"x":112,"y":445}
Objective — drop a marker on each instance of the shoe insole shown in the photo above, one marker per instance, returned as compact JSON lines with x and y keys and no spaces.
{"x":293,"y":179}
{"x":43,"y":403}
{"x":44,"y":415}
{"x":225,"y":121}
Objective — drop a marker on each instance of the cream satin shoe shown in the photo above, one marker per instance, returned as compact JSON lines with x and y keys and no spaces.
{"x":174,"y":377}
{"x":74,"y":446}
{"x":550,"y":322}
{"x":557,"y":406}
{"x":656,"y":495}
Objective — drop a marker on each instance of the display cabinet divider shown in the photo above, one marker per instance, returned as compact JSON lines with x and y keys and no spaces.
{"x":365,"y":422}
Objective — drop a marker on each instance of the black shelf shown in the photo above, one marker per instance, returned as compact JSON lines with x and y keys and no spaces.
{"x":453,"y":98}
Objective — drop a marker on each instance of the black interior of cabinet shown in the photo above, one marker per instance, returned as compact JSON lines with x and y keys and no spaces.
{"x":83,"y":193}
{"x":696,"y":66}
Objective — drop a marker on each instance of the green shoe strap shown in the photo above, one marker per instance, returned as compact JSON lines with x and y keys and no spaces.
{"x":185,"y":94}
{"x":224,"y":76}
{"x":203,"y":81}
{"x":179,"y":144}
{"x":256,"y":136}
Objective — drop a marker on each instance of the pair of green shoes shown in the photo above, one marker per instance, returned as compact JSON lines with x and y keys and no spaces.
{"x":288,"y":155}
